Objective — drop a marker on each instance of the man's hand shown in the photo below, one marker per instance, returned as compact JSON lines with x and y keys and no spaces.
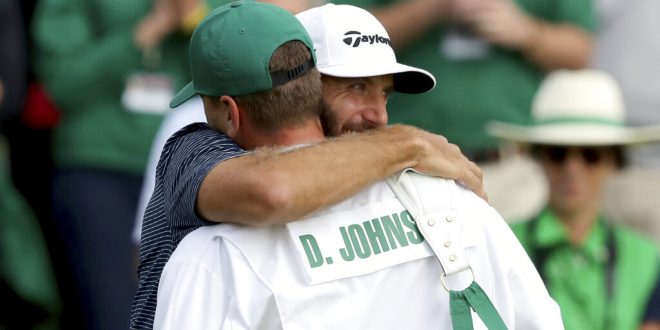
{"x":165,"y":17}
{"x":550,"y":46}
{"x":499,"y":21}
{"x":438,"y":157}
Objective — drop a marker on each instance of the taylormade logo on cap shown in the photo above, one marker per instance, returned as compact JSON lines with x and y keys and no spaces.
{"x":356,"y":38}
{"x":351,"y":43}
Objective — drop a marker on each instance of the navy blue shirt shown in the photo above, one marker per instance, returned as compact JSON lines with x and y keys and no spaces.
{"x":186,"y":159}
{"x":653,"y":307}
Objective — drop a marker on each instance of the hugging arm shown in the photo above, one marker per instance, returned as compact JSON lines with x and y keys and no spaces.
{"x":273,"y":187}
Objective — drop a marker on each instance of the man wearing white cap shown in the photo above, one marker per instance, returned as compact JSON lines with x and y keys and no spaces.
{"x":354,"y":57}
{"x":602,"y":275}
{"x":223,"y":183}
{"x":384,"y":259}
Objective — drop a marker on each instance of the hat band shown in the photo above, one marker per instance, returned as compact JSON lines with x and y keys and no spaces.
{"x":282,"y":77}
{"x":579,"y":120}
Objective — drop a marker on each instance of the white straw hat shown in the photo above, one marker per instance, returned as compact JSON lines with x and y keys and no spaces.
{"x":578,"y":108}
{"x":350,"y":43}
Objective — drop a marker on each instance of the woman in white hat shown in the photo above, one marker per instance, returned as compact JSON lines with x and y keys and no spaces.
{"x":602,"y":276}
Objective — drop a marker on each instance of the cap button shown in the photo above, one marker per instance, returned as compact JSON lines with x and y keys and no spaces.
{"x":235,"y":4}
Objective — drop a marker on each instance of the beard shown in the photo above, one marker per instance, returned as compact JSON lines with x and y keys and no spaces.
{"x":360,"y":127}
{"x":329,"y":121}
{"x":332,"y":127}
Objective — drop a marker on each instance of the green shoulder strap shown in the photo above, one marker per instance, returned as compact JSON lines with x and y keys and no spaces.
{"x":475,"y":297}
{"x":432,"y":203}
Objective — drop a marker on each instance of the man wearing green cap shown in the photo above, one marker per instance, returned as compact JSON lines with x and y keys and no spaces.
{"x":201,"y":179}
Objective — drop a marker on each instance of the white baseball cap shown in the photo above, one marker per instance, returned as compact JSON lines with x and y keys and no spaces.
{"x":582,"y":108}
{"x":351,"y":43}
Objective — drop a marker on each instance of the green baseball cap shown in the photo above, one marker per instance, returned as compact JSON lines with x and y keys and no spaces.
{"x":231,"y":48}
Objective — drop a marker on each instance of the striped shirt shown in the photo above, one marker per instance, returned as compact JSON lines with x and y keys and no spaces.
{"x":186,"y":159}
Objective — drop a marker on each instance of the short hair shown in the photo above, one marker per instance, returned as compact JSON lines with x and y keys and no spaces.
{"x":291,"y":104}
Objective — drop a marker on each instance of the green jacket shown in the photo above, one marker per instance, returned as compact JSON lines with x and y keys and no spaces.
{"x":84,"y":55}
{"x":577,"y":276}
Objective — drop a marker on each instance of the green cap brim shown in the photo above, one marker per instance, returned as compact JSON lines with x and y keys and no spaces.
{"x":183,"y":95}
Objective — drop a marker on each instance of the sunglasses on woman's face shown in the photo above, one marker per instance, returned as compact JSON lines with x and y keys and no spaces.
{"x":559,"y":154}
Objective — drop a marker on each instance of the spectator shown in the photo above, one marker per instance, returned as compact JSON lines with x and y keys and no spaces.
{"x":110,"y":68}
{"x":28,"y":290}
{"x":602,"y":275}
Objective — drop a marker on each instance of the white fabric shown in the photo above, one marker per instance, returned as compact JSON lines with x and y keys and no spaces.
{"x":350,"y":42}
{"x":516,"y":187}
{"x":631,"y":199}
{"x":436,"y":217}
{"x":315,"y":239}
{"x":189,"y":112}
{"x":234,"y":277}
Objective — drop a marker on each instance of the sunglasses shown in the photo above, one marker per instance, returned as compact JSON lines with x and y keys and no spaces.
{"x":558,"y":154}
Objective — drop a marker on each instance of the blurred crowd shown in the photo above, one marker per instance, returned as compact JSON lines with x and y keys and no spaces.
{"x":84,"y":93}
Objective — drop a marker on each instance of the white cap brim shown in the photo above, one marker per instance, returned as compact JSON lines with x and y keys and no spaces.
{"x":350,"y":42}
{"x":407,"y":79}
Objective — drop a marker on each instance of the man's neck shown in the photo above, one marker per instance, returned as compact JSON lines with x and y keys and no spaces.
{"x":304,"y":134}
{"x":578,"y":223}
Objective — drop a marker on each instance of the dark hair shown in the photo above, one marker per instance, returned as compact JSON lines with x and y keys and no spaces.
{"x":291,"y":104}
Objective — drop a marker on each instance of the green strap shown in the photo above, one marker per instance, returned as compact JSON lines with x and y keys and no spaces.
{"x":459,"y":309}
{"x":475,"y":297}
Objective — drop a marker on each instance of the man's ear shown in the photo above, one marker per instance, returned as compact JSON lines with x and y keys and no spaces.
{"x":232,"y":116}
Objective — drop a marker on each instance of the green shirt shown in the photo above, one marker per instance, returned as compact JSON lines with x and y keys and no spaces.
{"x":84,"y":55}
{"x":576,"y":276}
{"x":469,"y":93}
